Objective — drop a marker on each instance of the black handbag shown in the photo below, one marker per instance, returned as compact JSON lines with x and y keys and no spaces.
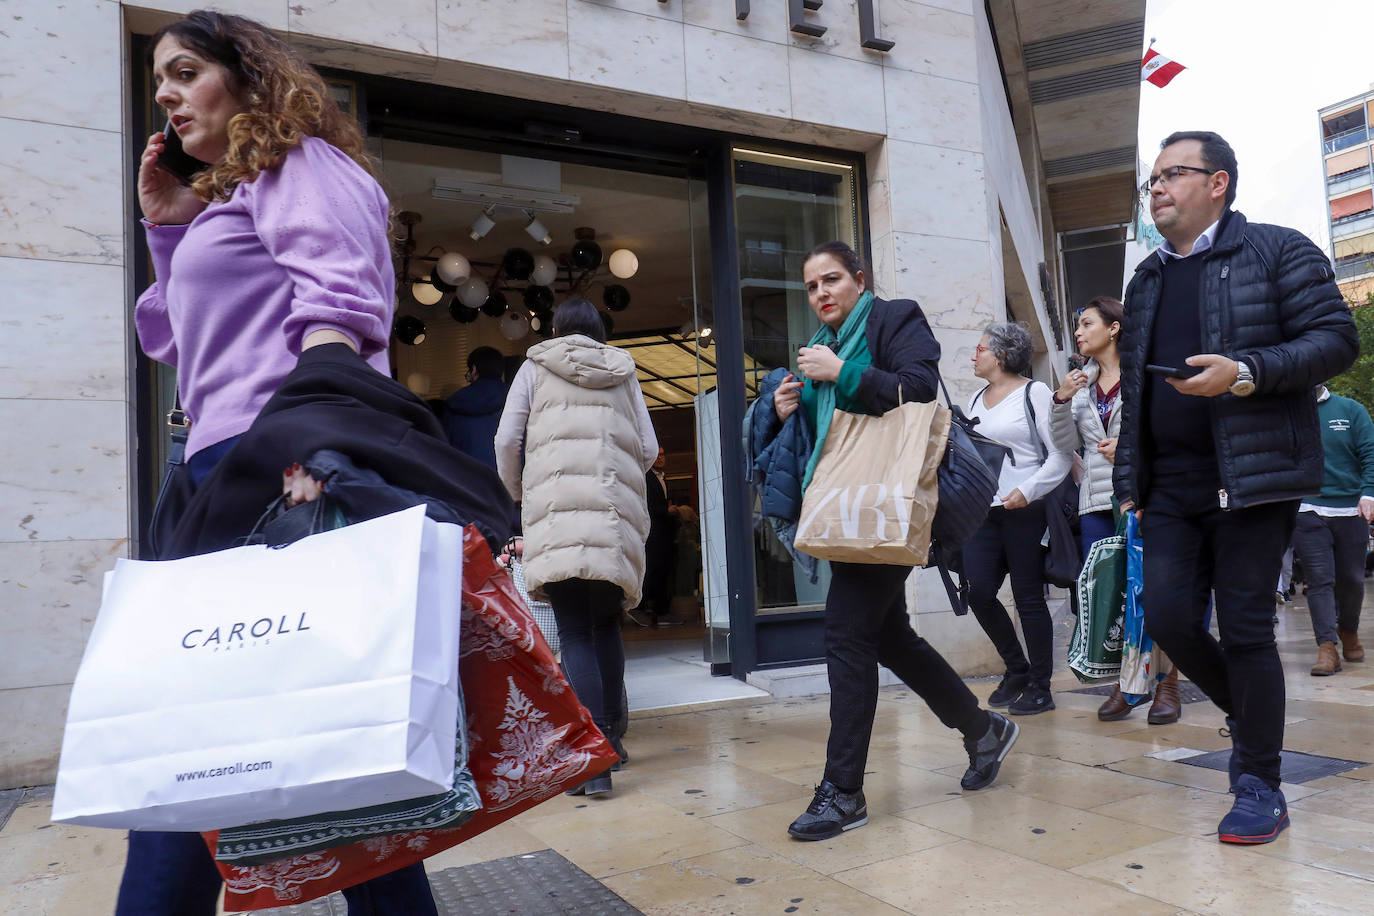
{"x":175,"y":493}
{"x":1063,"y":556}
{"x":966,"y":485}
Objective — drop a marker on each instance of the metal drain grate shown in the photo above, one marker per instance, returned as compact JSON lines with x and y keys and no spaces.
{"x":1188,"y":692}
{"x":535,"y":884}
{"x":1294,"y":766}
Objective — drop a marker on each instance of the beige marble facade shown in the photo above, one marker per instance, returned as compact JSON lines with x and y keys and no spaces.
{"x":943,"y":172}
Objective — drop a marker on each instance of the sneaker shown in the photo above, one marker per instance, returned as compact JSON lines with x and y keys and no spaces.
{"x":1032,"y":700}
{"x":1259,"y":815}
{"x":597,"y":785}
{"x":639,"y":617}
{"x":985,"y":755}
{"x":830,"y":813}
{"x":1009,"y":689}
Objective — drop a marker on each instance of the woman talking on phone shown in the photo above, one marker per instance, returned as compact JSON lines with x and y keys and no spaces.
{"x":869,"y":354}
{"x":1086,"y":414}
{"x":277,"y":246}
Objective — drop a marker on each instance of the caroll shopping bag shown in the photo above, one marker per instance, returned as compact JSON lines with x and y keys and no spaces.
{"x":875,"y":490}
{"x":1141,"y":660}
{"x":267,"y":683}
{"x":1095,"y":645}
{"x":529,"y":738}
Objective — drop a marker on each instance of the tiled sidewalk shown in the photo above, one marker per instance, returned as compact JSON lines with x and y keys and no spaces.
{"x":1087,"y":817}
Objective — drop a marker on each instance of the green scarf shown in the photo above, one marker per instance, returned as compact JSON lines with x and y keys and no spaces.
{"x":850,"y":345}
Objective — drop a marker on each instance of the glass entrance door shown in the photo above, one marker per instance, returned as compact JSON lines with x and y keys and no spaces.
{"x":784,"y":206}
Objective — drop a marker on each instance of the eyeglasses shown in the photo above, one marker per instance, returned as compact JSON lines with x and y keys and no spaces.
{"x":981,"y":349}
{"x":1170,"y":174}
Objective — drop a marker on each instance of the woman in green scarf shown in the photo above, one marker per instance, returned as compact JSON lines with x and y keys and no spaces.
{"x":867,"y":352}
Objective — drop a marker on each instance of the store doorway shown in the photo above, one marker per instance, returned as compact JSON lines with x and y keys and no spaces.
{"x":488,"y":244}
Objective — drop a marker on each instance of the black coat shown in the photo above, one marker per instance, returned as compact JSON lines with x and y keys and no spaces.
{"x":1268,"y":295}
{"x":333,"y":400}
{"x":904,"y":351}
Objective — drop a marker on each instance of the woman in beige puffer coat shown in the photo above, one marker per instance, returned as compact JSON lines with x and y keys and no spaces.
{"x":573,"y":447}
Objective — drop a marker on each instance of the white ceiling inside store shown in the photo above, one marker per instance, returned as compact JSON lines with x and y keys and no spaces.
{"x":648,"y":214}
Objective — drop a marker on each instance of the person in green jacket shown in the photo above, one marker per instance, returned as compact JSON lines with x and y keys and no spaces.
{"x":1332,"y":532}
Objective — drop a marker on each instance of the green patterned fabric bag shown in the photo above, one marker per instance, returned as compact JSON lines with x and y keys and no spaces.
{"x":1095,"y":646}
{"x":255,"y":844}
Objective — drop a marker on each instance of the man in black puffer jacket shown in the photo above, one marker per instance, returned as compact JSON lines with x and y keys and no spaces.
{"x":1219,"y":461}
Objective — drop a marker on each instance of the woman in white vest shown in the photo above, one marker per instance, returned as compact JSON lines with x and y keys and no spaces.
{"x":574,"y":444}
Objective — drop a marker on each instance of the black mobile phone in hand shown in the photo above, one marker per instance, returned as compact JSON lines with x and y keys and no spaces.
{"x":1184,"y":371}
{"x":181,"y":164}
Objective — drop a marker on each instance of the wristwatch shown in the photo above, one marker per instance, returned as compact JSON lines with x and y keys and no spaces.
{"x":1244,"y":385}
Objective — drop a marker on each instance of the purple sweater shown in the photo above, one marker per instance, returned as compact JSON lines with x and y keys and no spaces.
{"x":301,"y":248}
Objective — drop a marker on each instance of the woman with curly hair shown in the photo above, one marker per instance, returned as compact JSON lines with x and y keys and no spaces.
{"x":279,"y":245}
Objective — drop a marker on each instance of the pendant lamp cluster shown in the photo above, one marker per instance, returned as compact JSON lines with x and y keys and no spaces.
{"x":531,"y":279}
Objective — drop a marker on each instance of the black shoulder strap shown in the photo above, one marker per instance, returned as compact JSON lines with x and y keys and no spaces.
{"x":1030,"y":421}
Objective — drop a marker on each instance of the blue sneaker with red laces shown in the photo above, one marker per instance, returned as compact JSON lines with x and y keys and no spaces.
{"x":1259,"y":814}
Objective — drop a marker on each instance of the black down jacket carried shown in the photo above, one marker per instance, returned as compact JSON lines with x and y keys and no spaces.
{"x":1268,"y":296}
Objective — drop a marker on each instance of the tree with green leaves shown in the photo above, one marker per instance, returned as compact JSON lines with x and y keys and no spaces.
{"x":1358,"y":381}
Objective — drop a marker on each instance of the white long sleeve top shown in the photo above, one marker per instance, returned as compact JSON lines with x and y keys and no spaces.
{"x":1006,"y":423}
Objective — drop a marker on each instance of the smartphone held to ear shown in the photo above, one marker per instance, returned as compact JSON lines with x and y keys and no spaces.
{"x":1179,"y":372}
{"x":179,"y":163}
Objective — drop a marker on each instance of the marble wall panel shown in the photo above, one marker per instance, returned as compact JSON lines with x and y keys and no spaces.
{"x":931,"y":40}
{"x":271,"y":13}
{"x":50,"y":591}
{"x":401,"y":25}
{"x":767,"y":21}
{"x":526,"y":35}
{"x":952,"y":279}
{"x":34,"y":718}
{"x":60,"y":193}
{"x":63,"y":325}
{"x":882,"y":275}
{"x":612,"y":47}
{"x":59,"y":63}
{"x":841,"y":21}
{"x":671,"y":10}
{"x":879,"y":191}
{"x":343,"y":55}
{"x":66,"y":478}
{"x":932,"y":110}
{"x":937,"y":191}
{"x":957,"y":6}
{"x":959,"y":639}
{"x":837,"y":91}
{"x":737,"y":72}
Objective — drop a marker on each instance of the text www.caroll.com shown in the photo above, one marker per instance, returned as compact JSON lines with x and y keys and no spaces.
{"x":232,"y":770}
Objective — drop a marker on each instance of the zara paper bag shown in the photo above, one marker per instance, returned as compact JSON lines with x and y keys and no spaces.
{"x":874,"y":492}
{"x":267,"y":683}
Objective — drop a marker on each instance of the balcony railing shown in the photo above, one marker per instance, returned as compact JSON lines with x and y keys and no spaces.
{"x":1342,"y":140}
{"x":1353,"y":224}
{"x":1339,"y":184}
{"x":1354,"y":267}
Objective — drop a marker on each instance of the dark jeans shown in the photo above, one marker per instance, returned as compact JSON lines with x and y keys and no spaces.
{"x":173,"y":874}
{"x":1193,"y":548}
{"x":866,"y":625}
{"x":1094,"y":526}
{"x":1009,"y":541}
{"x":1331,"y":550}
{"x":588,"y":615}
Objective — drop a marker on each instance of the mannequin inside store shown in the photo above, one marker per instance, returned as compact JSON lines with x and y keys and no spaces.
{"x":486,"y":245}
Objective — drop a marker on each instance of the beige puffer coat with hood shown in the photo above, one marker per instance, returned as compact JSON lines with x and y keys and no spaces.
{"x":581,"y":488}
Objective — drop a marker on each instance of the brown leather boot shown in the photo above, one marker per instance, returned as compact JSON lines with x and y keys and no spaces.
{"x":1328,"y":662}
{"x":1167,"y":707}
{"x":1117,"y":707}
{"x":1350,"y":645}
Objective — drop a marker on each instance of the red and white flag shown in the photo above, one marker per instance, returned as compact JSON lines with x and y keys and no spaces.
{"x":1158,"y":69}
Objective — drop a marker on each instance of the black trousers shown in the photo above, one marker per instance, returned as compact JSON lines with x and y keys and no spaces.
{"x":866,"y":624}
{"x":1193,"y":548}
{"x":588,"y":616}
{"x":1332,"y":549}
{"x":1009,"y":542}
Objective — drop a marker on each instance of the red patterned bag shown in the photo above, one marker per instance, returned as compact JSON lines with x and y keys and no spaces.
{"x":530,"y":739}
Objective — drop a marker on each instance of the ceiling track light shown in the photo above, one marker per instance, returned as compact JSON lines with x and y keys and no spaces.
{"x":537,"y":230}
{"x":505,"y":196}
{"x":482,"y":224}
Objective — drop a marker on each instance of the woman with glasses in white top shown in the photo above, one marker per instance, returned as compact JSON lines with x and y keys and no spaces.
{"x":1009,"y":542}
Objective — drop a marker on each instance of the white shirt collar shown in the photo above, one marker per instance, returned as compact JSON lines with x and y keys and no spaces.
{"x":1203,"y":243}
{"x":1323,"y":395}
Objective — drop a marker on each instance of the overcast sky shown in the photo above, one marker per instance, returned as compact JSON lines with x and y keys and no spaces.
{"x":1258,"y":71}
